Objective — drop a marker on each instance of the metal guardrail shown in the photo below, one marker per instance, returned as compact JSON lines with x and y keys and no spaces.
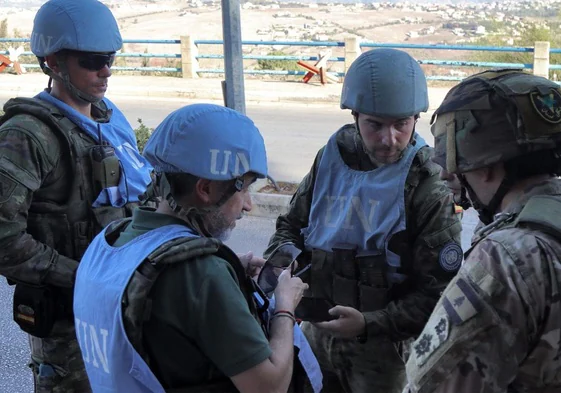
{"x":317,"y":44}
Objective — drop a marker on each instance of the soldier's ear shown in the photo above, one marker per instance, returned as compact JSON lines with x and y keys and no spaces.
{"x":204,"y":191}
{"x":52,"y":63}
{"x":493,"y":173}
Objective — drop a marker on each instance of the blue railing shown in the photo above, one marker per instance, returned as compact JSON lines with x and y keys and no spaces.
{"x":316,"y":44}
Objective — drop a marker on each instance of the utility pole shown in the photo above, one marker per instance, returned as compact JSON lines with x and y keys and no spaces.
{"x":233,"y":86}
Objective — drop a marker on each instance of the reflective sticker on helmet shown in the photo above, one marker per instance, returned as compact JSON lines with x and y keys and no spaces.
{"x":450,"y":257}
{"x":548,"y":105}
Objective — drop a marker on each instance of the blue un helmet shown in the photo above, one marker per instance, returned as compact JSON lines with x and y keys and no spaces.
{"x":73,"y":25}
{"x":385,"y":83}
{"x":208,"y":141}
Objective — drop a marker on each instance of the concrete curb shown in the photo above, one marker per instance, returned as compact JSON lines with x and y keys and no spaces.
{"x":266,"y":204}
{"x":269,"y":205}
{"x":195,"y":94}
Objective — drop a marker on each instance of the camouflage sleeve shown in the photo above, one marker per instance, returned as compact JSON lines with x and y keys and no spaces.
{"x":289,"y":225}
{"x":27,"y":158}
{"x":482,"y":327}
{"x":434,"y":241}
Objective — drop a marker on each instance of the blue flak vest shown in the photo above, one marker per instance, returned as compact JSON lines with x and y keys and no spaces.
{"x":135,"y":175}
{"x":359,"y":209}
{"x":112,"y":363}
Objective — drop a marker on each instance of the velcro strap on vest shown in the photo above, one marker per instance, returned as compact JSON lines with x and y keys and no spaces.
{"x":184,"y":249}
{"x":188,"y":248}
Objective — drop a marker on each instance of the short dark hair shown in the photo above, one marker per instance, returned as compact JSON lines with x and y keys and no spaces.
{"x":182,"y":184}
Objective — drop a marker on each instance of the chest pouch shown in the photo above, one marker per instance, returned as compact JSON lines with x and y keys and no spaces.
{"x":106,"y":167}
{"x":373,"y":285}
{"x":345,"y":276}
{"x":35,"y":309}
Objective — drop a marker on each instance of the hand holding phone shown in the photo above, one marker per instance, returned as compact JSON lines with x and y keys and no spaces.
{"x":289,"y":291}
{"x":283,"y":257}
{"x":314,"y":310}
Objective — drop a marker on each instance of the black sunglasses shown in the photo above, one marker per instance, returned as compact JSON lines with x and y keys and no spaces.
{"x":94,"y":61}
{"x":281,"y":258}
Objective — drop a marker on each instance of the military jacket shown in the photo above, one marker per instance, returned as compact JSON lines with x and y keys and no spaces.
{"x":427,"y":247}
{"x":497,"y":327}
{"x":46,"y":192}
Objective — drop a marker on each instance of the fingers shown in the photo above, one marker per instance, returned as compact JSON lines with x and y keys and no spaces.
{"x":339,"y":311}
{"x":328,"y":325}
{"x":285,"y":274}
{"x":257,"y":261}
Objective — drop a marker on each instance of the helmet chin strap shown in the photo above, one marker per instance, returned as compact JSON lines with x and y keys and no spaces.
{"x":487,"y":212}
{"x":65,"y":80}
{"x":464,"y":201}
{"x":194,"y":216}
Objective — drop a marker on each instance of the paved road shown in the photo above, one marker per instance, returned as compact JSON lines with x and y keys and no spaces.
{"x":293,"y":134}
{"x":251,"y":234}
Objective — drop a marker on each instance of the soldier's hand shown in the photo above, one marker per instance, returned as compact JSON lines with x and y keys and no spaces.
{"x":252,"y":264}
{"x":289,"y":291}
{"x":350,"y":322}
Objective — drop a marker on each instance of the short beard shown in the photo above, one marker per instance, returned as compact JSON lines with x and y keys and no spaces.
{"x":379,"y":163}
{"x":218,"y":226}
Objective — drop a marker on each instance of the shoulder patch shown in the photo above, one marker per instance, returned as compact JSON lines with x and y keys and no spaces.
{"x":548,"y":106}
{"x":450,"y":257}
{"x":7,"y":187}
{"x":461,"y":302}
{"x":435,"y":333}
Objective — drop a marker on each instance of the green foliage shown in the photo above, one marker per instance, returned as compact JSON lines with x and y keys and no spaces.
{"x":492,"y":26}
{"x":142,"y":132}
{"x":274,"y":64}
{"x":528,"y":38}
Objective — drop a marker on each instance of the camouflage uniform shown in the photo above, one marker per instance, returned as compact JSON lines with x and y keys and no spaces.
{"x":376,"y":366}
{"x":506,"y":330}
{"x":56,"y":164}
{"x":40,"y":244}
{"x":497,"y":327}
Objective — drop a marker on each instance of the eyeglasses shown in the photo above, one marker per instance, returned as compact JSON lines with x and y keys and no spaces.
{"x":94,"y":61}
{"x":282,"y":258}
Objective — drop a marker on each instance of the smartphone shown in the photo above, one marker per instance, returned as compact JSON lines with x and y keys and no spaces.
{"x":314,"y":310}
{"x":304,"y":273}
{"x":283,"y":257}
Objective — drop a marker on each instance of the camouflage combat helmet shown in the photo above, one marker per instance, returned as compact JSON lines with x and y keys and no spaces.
{"x":506,"y":116}
{"x":495,"y":116}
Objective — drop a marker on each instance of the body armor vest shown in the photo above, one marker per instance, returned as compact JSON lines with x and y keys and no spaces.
{"x":136,"y":299}
{"x":353,"y":216}
{"x":70,"y":226}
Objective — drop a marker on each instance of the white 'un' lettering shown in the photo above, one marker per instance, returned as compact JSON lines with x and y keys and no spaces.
{"x":90,"y":344}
